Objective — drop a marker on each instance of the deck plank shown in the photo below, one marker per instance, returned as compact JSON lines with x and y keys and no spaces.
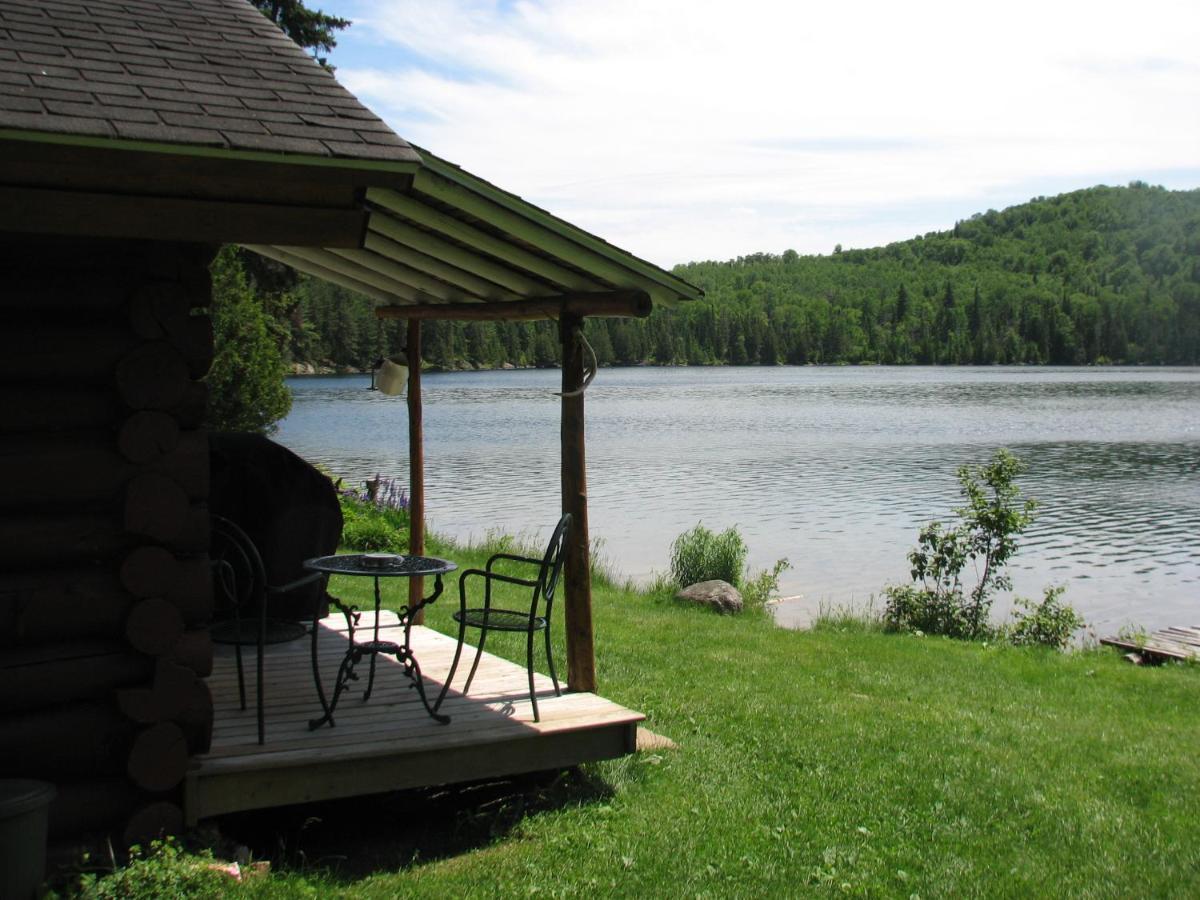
{"x":388,"y":742}
{"x":1176,"y":642}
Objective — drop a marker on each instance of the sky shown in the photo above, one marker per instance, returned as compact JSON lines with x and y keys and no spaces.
{"x":685,"y":130}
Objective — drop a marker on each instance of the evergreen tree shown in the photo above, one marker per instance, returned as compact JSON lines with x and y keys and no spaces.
{"x":313,"y":30}
{"x":1100,"y":275}
{"x":246,"y":387}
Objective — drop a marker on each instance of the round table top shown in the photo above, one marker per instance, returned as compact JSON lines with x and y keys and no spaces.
{"x":380,"y":565}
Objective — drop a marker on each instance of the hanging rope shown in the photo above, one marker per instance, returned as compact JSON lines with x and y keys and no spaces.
{"x":589,"y":371}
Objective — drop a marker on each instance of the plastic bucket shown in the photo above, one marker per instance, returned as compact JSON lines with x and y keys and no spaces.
{"x":24,"y":815}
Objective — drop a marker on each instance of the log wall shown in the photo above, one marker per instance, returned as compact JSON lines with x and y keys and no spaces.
{"x":105,"y":587}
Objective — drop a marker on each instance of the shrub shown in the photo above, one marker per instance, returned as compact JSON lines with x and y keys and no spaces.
{"x":246,"y":389}
{"x":935,"y":602}
{"x":699,"y":555}
{"x":163,"y":872}
{"x":375,"y":519}
{"x":372,"y":533}
{"x":760,"y":587}
{"x":986,"y":535}
{"x":1050,"y":623}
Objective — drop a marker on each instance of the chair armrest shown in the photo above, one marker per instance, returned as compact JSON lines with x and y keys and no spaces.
{"x":292,"y":585}
{"x":496,"y":576}
{"x":513,"y":558}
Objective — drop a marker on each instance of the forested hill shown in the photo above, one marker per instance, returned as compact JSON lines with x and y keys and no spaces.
{"x":1094,"y":276}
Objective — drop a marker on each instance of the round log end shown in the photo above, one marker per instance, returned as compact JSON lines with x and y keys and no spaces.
{"x":149,"y":572}
{"x":154,"y":626}
{"x":147,"y":435}
{"x":154,"y":376}
{"x":156,"y":507}
{"x":158,"y":759}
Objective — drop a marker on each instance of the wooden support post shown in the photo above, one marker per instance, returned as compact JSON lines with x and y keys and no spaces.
{"x":416,"y":464}
{"x":577,"y":581}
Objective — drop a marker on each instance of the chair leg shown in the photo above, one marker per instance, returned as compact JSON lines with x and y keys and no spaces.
{"x":529,"y":670}
{"x":237,"y":653}
{"x":475,"y":665}
{"x":262,"y":646}
{"x":550,"y":663}
{"x":462,"y":633}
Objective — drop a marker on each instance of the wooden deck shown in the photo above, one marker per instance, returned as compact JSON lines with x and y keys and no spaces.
{"x":1176,"y":642}
{"x":388,"y":743}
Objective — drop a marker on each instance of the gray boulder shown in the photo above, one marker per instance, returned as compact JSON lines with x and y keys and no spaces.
{"x":719,"y":595}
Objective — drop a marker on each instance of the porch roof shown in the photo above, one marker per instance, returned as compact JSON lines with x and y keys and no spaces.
{"x":202,"y":121}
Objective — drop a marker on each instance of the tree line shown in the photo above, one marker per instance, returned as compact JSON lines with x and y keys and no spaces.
{"x":1103,"y":275}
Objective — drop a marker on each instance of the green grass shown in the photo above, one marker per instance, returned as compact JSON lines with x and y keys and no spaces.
{"x":841,"y":760}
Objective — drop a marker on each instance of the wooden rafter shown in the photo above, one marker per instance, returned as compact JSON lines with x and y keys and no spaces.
{"x":479,"y":240}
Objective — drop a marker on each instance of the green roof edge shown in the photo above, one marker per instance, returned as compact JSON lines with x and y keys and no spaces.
{"x":564,"y":229}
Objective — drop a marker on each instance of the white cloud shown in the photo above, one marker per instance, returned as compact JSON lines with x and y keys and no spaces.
{"x":683,"y":130}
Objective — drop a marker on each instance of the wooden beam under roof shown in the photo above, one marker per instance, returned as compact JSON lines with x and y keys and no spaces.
{"x":613,"y":304}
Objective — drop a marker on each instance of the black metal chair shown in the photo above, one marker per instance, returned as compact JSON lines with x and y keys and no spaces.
{"x":240,"y":581}
{"x":489,"y":618}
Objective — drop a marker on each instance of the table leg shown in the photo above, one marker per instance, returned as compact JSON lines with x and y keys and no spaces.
{"x":355,"y":652}
{"x":405,"y":656}
{"x":374,"y":639}
{"x":345,"y":670}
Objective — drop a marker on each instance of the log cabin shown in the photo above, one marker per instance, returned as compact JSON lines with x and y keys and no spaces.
{"x":136,"y":137}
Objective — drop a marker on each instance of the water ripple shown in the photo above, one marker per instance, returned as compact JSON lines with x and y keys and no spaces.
{"x":835,"y":469}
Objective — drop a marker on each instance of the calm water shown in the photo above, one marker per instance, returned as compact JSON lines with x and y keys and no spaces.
{"x":833,"y":468}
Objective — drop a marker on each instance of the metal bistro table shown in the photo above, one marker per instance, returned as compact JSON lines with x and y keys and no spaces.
{"x":376,"y":566}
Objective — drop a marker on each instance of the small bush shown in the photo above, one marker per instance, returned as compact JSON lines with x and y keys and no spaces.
{"x":373,"y":533}
{"x":936,"y":601}
{"x":700,"y":555}
{"x":914,"y":608}
{"x":376,"y":518}
{"x":165,"y":871}
{"x":762,"y":586}
{"x":1050,"y":623}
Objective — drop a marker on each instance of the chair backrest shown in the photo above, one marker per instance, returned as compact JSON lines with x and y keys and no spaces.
{"x":238,"y":574}
{"x":552,"y":562}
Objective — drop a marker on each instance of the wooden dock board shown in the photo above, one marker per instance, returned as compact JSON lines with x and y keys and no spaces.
{"x":1177,"y":642}
{"x":389,"y":743}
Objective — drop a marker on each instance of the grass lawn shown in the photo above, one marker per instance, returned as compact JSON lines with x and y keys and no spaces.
{"x":840,"y":760}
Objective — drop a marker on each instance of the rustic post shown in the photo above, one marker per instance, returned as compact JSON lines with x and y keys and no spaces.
{"x":416,"y":464}
{"x":581,"y":662}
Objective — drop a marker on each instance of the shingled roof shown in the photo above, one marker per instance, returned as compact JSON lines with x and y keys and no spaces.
{"x":211,"y":73}
{"x":199,"y":120}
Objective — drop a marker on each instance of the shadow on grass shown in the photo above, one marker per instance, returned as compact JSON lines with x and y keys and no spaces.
{"x":350,"y":839}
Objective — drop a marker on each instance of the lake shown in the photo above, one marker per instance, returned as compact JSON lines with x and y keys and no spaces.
{"x":835,"y":469}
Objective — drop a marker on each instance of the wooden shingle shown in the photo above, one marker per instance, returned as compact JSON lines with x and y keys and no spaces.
{"x":210,"y":73}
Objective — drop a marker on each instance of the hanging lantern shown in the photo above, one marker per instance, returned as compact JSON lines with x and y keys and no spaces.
{"x":391,"y":377}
